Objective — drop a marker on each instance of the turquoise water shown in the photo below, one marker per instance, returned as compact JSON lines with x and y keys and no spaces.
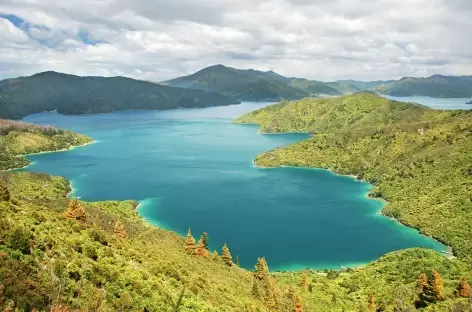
{"x":437,"y":103}
{"x":194,"y":168}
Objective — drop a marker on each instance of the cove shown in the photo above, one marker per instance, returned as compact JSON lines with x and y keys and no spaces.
{"x":193,"y":168}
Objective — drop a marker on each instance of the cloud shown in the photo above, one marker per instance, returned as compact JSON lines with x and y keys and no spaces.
{"x":158,"y":40}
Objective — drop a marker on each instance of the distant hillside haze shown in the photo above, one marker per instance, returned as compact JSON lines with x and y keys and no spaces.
{"x":254,"y":85}
{"x":69,"y":94}
{"x":435,"y":86}
{"x":251,"y":85}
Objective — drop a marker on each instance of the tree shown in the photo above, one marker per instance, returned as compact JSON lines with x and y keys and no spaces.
{"x":76,"y":211}
{"x":256,"y":290}
{"x":434,"y":290}
{"x":2,"y":297}
{"x":270,"y":299}
{"x":304,"y":283}
{"x":463,"y":289}
{"x":261,"y":270}
{"x":120,"y":230}
{"x":226,"y":255}
{"x":201,"y":250}
{"x":421,"y":282}
{"x":190,"y":243}
{"x":4,"y":192}
{"x":372,"y":306}
{"x":298,"y":307}
{"x":204,"y":238}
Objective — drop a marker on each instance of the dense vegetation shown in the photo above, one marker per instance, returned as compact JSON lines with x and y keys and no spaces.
{"x":70,"y":94}
{"x":252,"y":85}
{"x":418,"y":158}
{"x":19,"y":138}
{"x":434,"y":86}
{"x":59,"y":254}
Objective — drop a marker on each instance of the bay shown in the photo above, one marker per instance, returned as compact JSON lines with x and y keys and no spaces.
{"x":193,"y":168}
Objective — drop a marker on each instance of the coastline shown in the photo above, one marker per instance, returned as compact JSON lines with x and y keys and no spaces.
{"x":448,"y":252}
{"x":47,"y":152}
{"x":59,"y":150}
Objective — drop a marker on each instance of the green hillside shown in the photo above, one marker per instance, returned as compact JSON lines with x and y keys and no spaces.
{"x":62,"y":255}
{"x":435,"y":86}
{"x":19,"y":138}
{"x":70,"y":94}
{"x":251,"y":85}
{"x":418,"y":158}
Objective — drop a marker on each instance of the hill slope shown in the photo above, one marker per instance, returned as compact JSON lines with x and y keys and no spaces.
{"x":435,"y":86}
{"x":250,"y":85}
{"x":417,"y":158}
{"x":102,"y":256}
{"x":70,"y":94}
{"x":19,"y":138}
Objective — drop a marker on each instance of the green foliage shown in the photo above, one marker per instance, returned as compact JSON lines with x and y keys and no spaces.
{"x":66,"y":262}
{"x":18,"y":138}
{"x":434,"y":86}
{"x":417,"y":158}
{"x":70,"y":94}
{"x":251,"y":85}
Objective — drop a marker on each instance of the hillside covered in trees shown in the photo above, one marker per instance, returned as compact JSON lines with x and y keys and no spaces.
{"x":62,"y":254}
{"x":73,"y":95}
{"x":435,"y":86}
{"x":19,"y":138}
{"x":418,"y":158}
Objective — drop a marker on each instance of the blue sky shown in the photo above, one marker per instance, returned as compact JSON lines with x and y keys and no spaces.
{"x":157,"y":40}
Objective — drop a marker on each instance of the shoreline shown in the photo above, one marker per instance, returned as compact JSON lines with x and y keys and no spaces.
{"x":48,"y":152}
{"x":448,"y":252}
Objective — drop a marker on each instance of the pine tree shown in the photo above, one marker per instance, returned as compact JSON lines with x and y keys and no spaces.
{"x":201,"y":250}
{"x":304,"y":283}
{"x":463,"y":289}
{"x":76,"y":211}
{"x":120,"y":230}
{"x":226,"y":256}
{"x":270,"y":299}
{"x":204,"y":238}
{"x":256,"y":290}
{"x":4,"y":192}
{"x":298,"y":307}
{"x":372,"y":306}
{"x":434,"y":290}
{"x":421,"y":282}
{"x":2,"y":297}
{"x":190,"y":243}
{"x":261,"y":270}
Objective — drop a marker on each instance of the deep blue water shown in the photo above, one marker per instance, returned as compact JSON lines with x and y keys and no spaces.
{"x":194,"y":168}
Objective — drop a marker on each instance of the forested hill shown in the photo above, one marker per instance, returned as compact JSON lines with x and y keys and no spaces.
{"x":70,"y":94}
{"x":435,"y":86}
{"x":251,"y":85}
{"x":254,"y":85}
{"x":63,"y":255}
{"x":418,"y":158}
{"x":20,"y":138}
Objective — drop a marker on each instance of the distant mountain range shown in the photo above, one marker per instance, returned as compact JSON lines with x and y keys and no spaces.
{"x":212,"y":86}
{"x":253,"y":85}
{"x":435,"y":86}
{"x":70,"y":94}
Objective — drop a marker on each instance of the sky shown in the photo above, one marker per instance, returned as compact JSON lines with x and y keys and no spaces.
{"x":162,"y":39}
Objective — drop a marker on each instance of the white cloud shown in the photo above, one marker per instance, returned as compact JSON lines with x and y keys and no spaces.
{"x":157,"y":40}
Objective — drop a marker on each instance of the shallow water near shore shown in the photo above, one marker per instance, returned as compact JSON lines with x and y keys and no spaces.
{"x":193,"y":168}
